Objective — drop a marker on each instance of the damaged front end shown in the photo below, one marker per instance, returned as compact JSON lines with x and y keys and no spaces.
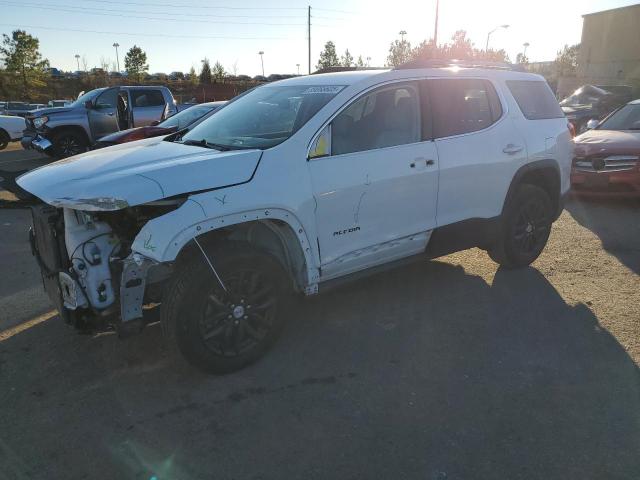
{"x":89,"y":270}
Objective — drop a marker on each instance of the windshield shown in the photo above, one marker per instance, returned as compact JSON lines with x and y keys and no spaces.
{"x":627,"y":118}
{"x":88,"y":96}
{"x":263,"y":117}
{"x":584,"y":96}
{"x":187,"y":117}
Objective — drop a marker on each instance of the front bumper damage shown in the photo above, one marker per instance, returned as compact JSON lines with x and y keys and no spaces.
{"x":136,"y":279}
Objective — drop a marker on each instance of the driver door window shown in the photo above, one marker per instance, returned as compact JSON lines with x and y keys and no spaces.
{"x":387,"y":117}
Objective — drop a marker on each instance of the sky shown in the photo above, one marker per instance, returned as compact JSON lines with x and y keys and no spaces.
{"x":178,"y":34}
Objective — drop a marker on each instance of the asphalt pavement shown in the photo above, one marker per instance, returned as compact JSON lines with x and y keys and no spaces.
{"x":449,"y":369}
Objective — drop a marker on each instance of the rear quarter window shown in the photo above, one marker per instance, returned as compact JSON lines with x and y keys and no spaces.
{"x":535,"y":99}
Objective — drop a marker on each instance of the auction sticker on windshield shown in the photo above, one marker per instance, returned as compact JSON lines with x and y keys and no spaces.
{"x":332,"y":89}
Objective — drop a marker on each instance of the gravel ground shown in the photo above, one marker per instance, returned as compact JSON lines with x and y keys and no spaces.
{"x":449,"y":369}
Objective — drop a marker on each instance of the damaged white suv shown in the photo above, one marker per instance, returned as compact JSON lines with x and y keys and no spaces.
{"x":292,"y":186}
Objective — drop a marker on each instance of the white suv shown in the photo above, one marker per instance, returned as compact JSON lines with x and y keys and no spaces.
{"x":292,"y":186}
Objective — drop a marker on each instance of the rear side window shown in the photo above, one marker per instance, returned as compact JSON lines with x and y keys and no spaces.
{"x":147,"y":98}
{"x":535,"y":99}
{"x":462,"y":106}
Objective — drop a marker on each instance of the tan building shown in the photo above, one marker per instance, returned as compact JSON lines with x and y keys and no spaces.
{"x":610,"y":48}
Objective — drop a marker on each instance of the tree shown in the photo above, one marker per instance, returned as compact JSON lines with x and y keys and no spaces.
{"x":219,"y":72}
{"x":460,"y":47}
{"x":522,"y":58}
{"x":22,"y":59}
{"x":360,"y":62}
{"x":328,"y":57}
{"x":567,"y":60}
{"x":193,"y":76}
{"x":205,"y":72}
{"x":399,"y":53}
{"x":347,"y":59}
{"x":135,"y":63}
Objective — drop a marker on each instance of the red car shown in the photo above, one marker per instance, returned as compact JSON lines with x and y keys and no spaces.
{"x":606,"y":159}
{"x":172,"y":124}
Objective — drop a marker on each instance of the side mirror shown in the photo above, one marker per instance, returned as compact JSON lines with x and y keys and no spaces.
{"x":321,"y":145}
{"x":593,"y":123}
{"x":88,"y":104}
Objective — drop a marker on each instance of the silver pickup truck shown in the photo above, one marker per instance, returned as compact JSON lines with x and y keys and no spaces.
{"x":66,"y":131}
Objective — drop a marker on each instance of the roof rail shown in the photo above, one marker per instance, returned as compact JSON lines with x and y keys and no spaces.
{"x":445,"y":63}
{"x":344,"y":69}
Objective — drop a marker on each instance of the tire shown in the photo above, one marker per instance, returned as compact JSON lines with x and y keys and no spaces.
{"x":525,"y":228}
{"x":4,"y":139}
{"x":68,"y":143}
{"x":221,"y":332}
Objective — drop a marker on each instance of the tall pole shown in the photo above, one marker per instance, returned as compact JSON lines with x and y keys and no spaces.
{"x":116,"y":45}
{"x":261,"y":53}
{"x":525,"y":45}
{"x":309,"y":42}
{"x":402,"y":34}
{"x":298,"y":65}
{"x":435,"y":30}
{"x":78,"y":60}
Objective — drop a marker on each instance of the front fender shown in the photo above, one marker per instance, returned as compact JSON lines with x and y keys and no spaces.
{"x":163,"y":238}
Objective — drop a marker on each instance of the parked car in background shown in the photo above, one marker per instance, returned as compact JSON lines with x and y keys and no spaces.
{"x":589,"y":102}
{"x":65,"y":131}
{"x":606,"y":157}
{"x":184,"y":106}
{"x":11,"y":128}
{"x":37,"y":106}
{"x":293,"y":186}
{"x":60,"y":103}
{"x":179,"y":121}
{"x":16,"y":108}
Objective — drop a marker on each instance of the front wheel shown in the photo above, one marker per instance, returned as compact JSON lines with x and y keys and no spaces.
{"x":222,"y":331}
{"x":68,"y":143}
{"x":525,"y":228}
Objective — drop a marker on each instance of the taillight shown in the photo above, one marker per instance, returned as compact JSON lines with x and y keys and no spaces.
{"x":572,"y":129}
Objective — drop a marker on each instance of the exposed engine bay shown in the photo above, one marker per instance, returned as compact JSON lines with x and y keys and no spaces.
{"x":88,"y":268}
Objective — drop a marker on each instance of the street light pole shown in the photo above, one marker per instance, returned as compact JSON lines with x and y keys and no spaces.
{"x":298,"y":65}
{"x":402,"y":34}
{"x":261,"y":53}
{"x":525,"y":45}
{"x":116,"y":45}
{"x":486,"y":48}
{"x":78,"y":60}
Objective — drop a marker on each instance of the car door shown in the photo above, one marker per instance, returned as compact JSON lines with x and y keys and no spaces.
{"x":147,"y":106}
{"x":376,"y":185}
{"x":478,"y":146}
{"x":103,"y":117}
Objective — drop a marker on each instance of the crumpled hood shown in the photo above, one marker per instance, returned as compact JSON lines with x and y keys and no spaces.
{"x":616,"y":142}
{"x":135,"y":173}
{"x":578,"y":110}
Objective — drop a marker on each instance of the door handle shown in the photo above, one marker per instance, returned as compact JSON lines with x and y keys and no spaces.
{"x":512,"y":148}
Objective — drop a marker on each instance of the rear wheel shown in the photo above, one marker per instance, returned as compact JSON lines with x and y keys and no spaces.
{"x":525,"y":229}
{"x":4,"y":139}
{"x":222,"y":331}
{"x":68,"y":143}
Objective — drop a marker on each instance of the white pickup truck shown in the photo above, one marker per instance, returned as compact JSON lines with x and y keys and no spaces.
{"x":11,"y":128}
{"x":296,"y":185}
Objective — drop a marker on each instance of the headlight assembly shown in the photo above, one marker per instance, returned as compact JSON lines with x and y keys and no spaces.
{"x":40,"y":121}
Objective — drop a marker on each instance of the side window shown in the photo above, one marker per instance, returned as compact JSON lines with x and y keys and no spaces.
{"x":462,"y":105}
{"x":147,"y":98}
{"x":107,"y":99}
{"x":385,"y":117}
{"x":535,"y":99}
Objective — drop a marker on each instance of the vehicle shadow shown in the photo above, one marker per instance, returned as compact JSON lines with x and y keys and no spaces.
{"x":423,"y":372}
{"x":616,"y":222}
